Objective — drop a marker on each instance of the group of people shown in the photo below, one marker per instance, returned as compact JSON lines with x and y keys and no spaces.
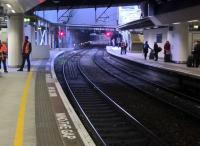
{"x":26,"y":50}
{"x":156,"y":49}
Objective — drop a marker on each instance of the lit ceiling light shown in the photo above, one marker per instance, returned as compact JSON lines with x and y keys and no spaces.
{"x":193,"y":21}
{"x":8,"y":5}
{"x":176,"y":23}
{"x":56,"y":1}
{"x":13,"y":11}
{"x":196,"y":26}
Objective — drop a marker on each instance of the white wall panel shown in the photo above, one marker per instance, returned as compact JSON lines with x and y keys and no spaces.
{"x":150,"y":36}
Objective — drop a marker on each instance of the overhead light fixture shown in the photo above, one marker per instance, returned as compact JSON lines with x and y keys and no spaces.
{"x":56,"y":1}
{"x":13,"y":11}
{"x":8,"y":5}
{"x":193,"y":21}
{"x":176,"y":23}
{"x":27,"y":20}
{"x":196,"y":26}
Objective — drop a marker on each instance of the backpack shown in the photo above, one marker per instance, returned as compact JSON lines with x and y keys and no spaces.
{"x":189,"y":62}
{"x":159,"y":49}
{"x":145,"y":48}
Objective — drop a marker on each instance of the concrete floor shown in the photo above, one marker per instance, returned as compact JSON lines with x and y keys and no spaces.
{"x":11,"y":89}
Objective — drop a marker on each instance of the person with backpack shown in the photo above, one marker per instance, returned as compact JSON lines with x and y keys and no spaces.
{"x":145,"y":49}
{"x":156,"y":50}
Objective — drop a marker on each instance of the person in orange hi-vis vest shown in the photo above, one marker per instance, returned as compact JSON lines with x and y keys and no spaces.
{"x":3,"y":55}
{"x":26,"y":54}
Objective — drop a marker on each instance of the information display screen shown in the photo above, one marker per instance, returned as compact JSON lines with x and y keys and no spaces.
{"x":128,"y":14}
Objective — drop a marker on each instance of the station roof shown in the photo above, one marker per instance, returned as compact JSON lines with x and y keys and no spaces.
{"x":141,"y":23}
{"x":19,"y":6}
{"x":159,"y":5}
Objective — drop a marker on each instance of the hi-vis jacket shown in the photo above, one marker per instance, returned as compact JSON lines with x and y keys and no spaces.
{"x":27,"y":48}
{"x":3,"y":51}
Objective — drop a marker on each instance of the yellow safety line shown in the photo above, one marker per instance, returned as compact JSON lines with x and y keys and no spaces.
{"x":19,"y":134}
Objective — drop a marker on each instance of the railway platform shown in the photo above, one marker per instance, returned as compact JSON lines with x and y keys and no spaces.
{"x":138,"y":58}
{"x":35,"y":111}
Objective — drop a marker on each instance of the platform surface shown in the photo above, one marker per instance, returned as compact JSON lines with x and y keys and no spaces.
{"x":34,"y":110}
{"x":170,"y":66}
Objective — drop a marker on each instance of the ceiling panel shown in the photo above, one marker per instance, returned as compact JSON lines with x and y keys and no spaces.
{"x":29,"y":4}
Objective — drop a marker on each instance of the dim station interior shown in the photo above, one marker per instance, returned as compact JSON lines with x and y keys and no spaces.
{"x":90,"y":83}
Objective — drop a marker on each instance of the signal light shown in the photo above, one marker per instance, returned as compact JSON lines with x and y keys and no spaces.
{"x":61,"y":33}
{"x":108,"y":34}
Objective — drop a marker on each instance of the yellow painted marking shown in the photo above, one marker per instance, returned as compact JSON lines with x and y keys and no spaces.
{"x":19,"y":134}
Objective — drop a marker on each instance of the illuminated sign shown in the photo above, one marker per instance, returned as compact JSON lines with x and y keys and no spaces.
{"x":128,"y":14}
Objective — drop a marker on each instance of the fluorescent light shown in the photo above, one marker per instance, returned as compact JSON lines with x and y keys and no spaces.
{"x":8,"y":5}
{"x":193,"y":21}
{"x":13,"y":11}
{"x":196,"y":26}
{"x":176,"y":23}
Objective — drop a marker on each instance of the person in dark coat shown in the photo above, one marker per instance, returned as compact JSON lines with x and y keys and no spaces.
{"x":167,"y":51}
{"x":26,"y":54}
{"x":145,"y":49}
{"x":196,"y":54}
{"x":156,"y":50}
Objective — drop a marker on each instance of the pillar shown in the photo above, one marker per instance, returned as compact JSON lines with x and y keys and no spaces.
{"x":178,"y":38}
{"x":15,"y":39}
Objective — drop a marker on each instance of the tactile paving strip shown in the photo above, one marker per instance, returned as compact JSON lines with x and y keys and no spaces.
{"x":46,"y":128}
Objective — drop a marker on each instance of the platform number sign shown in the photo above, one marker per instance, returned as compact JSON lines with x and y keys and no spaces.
{"x":159,"y":38}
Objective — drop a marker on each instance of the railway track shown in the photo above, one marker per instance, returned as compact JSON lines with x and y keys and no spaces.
{"x":171,"y":125}
{"x":181,"y":101}
{"x":110,"y":123}
{"x":162,"y":80}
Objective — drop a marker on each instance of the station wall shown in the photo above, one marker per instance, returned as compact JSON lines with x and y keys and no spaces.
{"x":151,"y":35}
{"x":181,"y":39}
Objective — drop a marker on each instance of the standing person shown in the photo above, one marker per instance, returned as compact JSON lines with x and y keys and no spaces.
{"x":3,"y":55}
{"x":123,"y":46}
{"x":167,"y":52}
{"x":26,"y":54}
{"x":156,"y":50}
{"x":145,"y":49}
{"x":196,"y":54}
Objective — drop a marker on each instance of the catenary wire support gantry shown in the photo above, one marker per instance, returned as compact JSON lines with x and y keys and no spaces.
{"x":66,"y":14}
{"x":101,"y":15}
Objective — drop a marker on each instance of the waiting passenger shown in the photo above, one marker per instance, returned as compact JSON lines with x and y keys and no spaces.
{"x":123,"y":46}
{"x":167,"y":52}
{"x":3,"y":55}
{"x":145,"y":49}
{"x":196,"y":54}
{"x":25,"y":54}
{"x":156,"y":50}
